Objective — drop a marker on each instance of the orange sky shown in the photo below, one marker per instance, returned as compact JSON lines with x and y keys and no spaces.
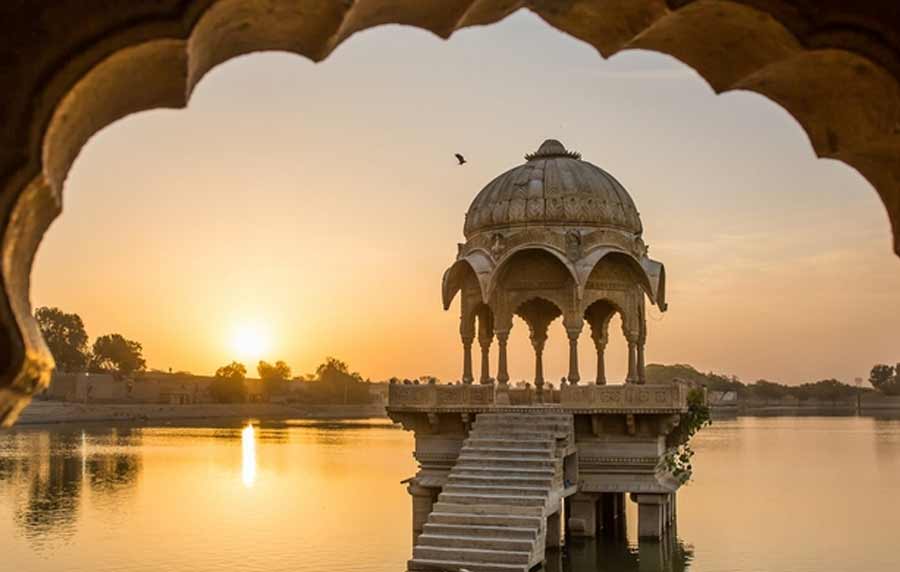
{"x":320,"y":205}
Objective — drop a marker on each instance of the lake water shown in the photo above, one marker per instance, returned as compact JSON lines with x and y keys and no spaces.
{"x":773,"y":494}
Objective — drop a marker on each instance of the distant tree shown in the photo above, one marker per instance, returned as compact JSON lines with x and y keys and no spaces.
{"x":332,"y":365}
{"x":886,"y":379}
{"x":334,"y":383}
{"x":824,"y":390}
{"x":273,"y":376}
{"x":768,"y":390}
{"x":113,"y":353}
{"x":279,"y":371}
{"x":229,"y":384}
{"x":426,"y":379}
{"x":65,"y":336}
{"x":659,"y":373}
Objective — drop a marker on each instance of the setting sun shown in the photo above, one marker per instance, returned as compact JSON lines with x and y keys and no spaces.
{"x":250,"y":341}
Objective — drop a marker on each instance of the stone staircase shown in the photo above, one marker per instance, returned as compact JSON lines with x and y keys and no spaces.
{"x":491,"y":516}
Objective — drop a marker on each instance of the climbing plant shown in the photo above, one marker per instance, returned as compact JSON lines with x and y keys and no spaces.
{"x":678,"y":460}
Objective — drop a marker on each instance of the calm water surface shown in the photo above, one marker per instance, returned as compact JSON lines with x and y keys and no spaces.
{"x":770,"y":494}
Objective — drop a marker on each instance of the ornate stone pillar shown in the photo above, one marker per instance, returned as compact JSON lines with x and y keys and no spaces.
{"x":467,"y":376}
{"x":600,"y":345}
{"x":501,"y":396}
{"x":573,"y":334}
{"x":632,"y":376}
{"x":502,"y":372}
{"x":642,"y":342}
{"x":537,"y":342}
{"x":641,"y":370}
{"x":485,"y":343}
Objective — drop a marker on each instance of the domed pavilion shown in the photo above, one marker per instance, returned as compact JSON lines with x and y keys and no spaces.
{"x":554,"y":237}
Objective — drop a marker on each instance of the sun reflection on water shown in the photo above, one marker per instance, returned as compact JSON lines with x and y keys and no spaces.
{"x":248,"y":464}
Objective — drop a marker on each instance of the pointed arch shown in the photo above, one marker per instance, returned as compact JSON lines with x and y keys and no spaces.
{"x":505,"y":261}
{"x":650,"y":273}
{"x":478,"y":263}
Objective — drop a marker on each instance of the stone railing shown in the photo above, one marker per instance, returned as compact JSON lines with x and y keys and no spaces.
{"x":430,"y":396}
{"x":626,"y":398}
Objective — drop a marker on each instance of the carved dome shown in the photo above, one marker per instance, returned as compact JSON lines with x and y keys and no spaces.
{"x":553,"y":187}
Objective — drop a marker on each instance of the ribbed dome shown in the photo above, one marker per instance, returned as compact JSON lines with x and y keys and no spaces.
{"x":554,"y":187}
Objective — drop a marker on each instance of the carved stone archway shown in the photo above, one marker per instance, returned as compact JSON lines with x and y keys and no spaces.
{"x":68,"y":68}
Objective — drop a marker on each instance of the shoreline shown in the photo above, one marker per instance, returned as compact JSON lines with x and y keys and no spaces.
{"x":56,"y":412}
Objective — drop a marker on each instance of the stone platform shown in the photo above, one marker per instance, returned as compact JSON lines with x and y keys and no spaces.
{"x":492,"y":477}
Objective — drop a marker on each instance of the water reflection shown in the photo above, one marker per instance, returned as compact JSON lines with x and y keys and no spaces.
{"x":248,"y":456}
{"x":600,"y":555}
{"x":145,"y":499}
{"x":46,"y":472}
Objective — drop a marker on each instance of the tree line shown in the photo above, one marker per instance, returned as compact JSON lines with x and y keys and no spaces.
{"x":67,"y":340}
{"x":331,"y":384}
{"x":884,"y":379}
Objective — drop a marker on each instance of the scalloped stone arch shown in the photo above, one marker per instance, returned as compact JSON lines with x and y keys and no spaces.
{"x":71,"y":68}
{"x":511,"y":254}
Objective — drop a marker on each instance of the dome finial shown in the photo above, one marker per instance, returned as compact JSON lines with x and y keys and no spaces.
{"x":552,"y":148}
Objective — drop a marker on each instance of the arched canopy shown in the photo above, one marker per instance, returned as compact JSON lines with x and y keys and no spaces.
{"x":656,"y":273}
{"x":648,"y":271}
{"x":507,"y":259}
{"x":478,"y":263}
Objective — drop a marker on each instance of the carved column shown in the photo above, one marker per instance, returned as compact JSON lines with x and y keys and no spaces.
{"x":600,"y":345}
{"x":537,"y":342}
{"x":485,"y":337}
{"x":573,"y":334}
{"x":538,"y":314}
{"x":598,"y":316}
{"x":641,"y":371}
{"x":485,"y":359}
{"x":467,"y":376}
{"x":632,"y":376}
{"x":642,"y":341}
{"x":502,"y":372}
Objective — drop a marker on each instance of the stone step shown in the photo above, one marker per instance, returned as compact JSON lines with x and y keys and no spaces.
{"x":466,"y":459}
{"x":488,"y":508}
{"x":496,"y":499}
{"x":494,"y":520}
{"x":525,"y":453}
{"x":500,"y":480}
{"x":430,"y":565}
{"x":505,"y":443}
{"x":472,"y":555}
{"x":498,"y":471}
{"x":489,"y":543}
{"x":522,"y":433}
{"x":485,"y":531}
{"x":496,"y":489}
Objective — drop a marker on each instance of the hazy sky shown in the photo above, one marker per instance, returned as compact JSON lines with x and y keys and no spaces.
{"x":320,"y":204}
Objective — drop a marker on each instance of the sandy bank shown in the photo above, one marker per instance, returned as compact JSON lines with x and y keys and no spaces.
{"x":63,"y":412}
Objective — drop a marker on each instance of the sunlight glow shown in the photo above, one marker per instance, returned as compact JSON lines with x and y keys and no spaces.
{"x":250,"y":341}
{"x":248,"y":460}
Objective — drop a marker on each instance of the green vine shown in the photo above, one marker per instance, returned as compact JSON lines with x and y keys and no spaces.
{"x":678,"y":459}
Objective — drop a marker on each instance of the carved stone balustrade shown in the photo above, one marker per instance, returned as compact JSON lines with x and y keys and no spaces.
{"x":434,"y":397}
{"x":669,"y":398}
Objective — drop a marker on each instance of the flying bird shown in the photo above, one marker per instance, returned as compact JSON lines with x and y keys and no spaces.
{"x":460,"y":158}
